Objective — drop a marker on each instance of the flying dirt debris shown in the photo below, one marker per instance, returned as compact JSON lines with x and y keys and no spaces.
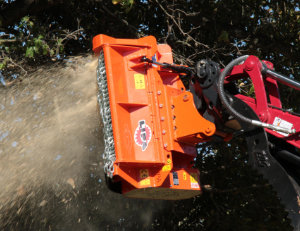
{"x":51,"y":175}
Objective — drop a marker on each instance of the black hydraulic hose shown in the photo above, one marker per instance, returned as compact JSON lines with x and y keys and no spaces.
{"x":221,"y":90}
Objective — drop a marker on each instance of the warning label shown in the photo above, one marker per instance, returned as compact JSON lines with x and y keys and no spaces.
{"x":139,"y":81}
{"x":175,"y":178}
{"x":194,"y":180}
{"x":144,"y":173}
{"x":167,"y":167}
{"x":144,"y":177}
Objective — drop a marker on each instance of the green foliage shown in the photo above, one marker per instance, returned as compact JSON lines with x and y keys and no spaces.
{"x":29,"y":52}
{"x":26,"y":22}
{"x":2,"y":65}
{"x":33,"y":42}
{"x":37,"y":47}
{"x":251,"y":91}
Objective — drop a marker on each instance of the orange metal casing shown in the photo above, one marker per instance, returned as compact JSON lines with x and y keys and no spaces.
{"x":144,"y":96}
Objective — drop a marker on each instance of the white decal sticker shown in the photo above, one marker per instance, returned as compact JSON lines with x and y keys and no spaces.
{"x":142,"y":135}
{"x":282,"y":123}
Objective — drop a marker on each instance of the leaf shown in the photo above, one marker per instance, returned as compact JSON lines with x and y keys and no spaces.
{"x":2,"y":65}
{"x":52,"y":52}
{"x":45,"y":48}
{"x":29,"y":52}
{"x":37,"y":41}
{"x":25,"y":19}
{"x":30,"y":24}
{"x":251,"y":90}
{"x":40,"y":37}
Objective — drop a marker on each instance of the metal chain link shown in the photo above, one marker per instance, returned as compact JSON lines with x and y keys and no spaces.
{"x":109,"y":155}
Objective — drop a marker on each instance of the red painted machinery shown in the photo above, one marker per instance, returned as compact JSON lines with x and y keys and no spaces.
{"x":154,"y":114}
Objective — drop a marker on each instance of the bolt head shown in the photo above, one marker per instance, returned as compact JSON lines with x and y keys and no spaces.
{"x":185,"y":98}
{"x":207,"y":130}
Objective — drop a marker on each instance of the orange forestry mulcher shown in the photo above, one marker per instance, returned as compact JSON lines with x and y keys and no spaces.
{"x":150,"y":122}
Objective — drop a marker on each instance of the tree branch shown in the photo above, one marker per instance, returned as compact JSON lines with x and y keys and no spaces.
{"x":179,"y":27}
{"x":15,"y":11}
{"x":7,"y":40}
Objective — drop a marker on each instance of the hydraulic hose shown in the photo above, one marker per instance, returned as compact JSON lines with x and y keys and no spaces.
{"x":221,"y":90}
{"x":233,"y":112}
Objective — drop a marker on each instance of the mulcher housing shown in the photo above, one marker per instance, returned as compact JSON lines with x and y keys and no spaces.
{"x":154,"y":121}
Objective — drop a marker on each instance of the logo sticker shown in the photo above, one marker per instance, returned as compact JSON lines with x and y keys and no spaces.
{"x":142,"y":135}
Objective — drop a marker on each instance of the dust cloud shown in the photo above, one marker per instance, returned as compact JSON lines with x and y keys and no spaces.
{"x":51,"y":175}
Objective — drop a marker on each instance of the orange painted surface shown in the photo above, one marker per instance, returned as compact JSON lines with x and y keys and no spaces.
{"x":155,"y":122}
